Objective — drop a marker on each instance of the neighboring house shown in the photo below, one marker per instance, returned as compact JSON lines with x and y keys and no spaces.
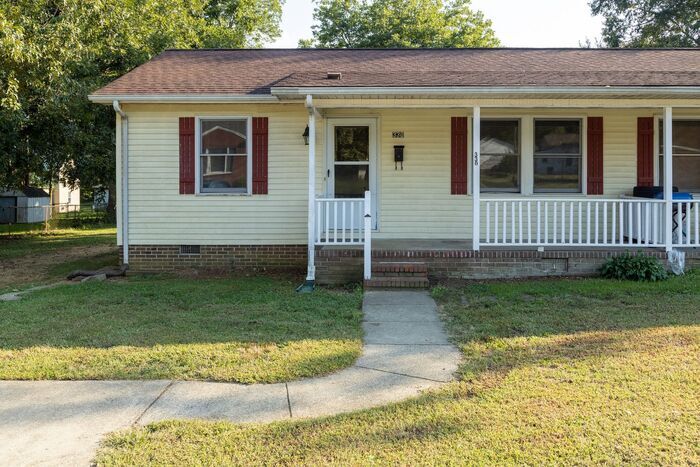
{"x":64,"y":198}
{"x":214,"y":143}
{"x":27,"y":206}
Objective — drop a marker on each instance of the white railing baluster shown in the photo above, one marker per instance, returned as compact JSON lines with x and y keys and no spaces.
{"x":571,"y":222}
{"x":580,"y":223}
{"x":696,"y":210}
{"x":596,"y":239}
{"x":529,"y":223}
{"x":539,"y":222}
{"x":605,"y":223}
{"x":488,"y":222}
{"x":687,"y":223}
{"x":588,"y":223}
{"x":505,"y":228}
{"x":494,"y":219}
{"x":546,"y":222}
{"x":563,"y":221}
{"x":554,"y":222}
{"x":520,"y":222}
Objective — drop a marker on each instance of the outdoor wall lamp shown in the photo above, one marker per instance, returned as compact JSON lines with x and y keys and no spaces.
{"x":305,"y":135}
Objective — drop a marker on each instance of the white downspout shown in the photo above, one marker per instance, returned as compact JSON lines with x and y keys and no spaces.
{"x":125,"y":180}
{"x":311,"y":252}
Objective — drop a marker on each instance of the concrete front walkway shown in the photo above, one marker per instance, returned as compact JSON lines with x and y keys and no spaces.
{"x":61,"y":422}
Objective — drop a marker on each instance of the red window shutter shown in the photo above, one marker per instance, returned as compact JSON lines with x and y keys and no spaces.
{"x":645,"y":151}
{"x":260,"y":155}
{"x":595,"y":155}
{"x":459,"y":157}
{"x":187,"y":155}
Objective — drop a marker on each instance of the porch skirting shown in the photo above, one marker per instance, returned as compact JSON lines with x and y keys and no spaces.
{"x":222,"y":258}
{"x":336,"y":265}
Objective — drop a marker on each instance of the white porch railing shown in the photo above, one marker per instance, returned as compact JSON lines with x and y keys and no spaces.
{"x":346,"y":221}
{"x":575,"y":222}
{"x":686,"y":223}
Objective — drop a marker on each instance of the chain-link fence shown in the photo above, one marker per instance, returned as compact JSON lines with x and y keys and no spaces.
{"x":17,"y":218}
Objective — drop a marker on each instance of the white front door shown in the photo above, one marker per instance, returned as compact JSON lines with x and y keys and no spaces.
{"x":352,"y":160}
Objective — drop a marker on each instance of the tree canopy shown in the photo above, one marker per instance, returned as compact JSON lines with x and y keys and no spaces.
{"x":399,"y":23}
{"x":649,"y":23}
{"x":53,"y":53}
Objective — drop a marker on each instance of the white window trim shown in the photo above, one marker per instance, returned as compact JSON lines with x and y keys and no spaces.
{"x":657,"y":137}
{"x":198,"y":156}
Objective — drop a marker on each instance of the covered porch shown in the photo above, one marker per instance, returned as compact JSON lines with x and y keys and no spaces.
{"x":530,"y":229}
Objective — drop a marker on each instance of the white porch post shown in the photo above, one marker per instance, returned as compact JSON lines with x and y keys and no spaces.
{"x":311,"y":252}
{"x":368,"y":236}
{"x":476,"y":173}
{"x":668,"y":177}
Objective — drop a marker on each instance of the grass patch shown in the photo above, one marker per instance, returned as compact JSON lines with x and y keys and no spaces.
{"x":38,"y":257}
{"x":15,"y":245}
{"x":244,"y":329}
{"x":555,"y":372}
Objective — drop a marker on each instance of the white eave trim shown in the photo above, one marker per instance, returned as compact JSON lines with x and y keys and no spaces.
{"x":182,"y":98}
{"x":613,"y":91}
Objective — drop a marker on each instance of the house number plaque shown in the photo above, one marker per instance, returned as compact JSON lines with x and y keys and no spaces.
{"x":397,"y":134}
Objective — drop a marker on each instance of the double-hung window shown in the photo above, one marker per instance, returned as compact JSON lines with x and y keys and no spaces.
{"x":558,"y":155}
{"x":224,"y":153}
{"x":500,"y":155}
{"x":686,"y":154}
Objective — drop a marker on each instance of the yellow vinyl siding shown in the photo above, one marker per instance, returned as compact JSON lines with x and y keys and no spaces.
{"x":412,"y":203}
{"x":159,"y":214}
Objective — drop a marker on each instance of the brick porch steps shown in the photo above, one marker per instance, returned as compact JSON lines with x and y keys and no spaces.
{"x":398,"y":275}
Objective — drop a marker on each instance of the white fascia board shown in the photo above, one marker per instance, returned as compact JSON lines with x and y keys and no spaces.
{"x":613,"y":91}
{"x":182,"y":98}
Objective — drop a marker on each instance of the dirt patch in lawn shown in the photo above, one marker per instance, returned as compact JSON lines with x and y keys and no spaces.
{"x":32,"y":269}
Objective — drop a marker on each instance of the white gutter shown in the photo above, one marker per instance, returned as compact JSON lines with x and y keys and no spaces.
{"x":181,"y":98}
{"x":487,"y":91}
{"x":125,"y":180}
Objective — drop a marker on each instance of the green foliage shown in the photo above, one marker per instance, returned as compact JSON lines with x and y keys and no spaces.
{"x":636,"y":268}
{"x":399,"y":23}
{"x":53,"y":53}
{"x":649,"y":23}
{"x":438,"y":292}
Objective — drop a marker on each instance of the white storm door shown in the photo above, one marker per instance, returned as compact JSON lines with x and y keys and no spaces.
{"x":352,"y":162}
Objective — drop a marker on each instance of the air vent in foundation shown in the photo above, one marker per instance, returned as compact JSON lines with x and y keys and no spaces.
{"x":189,"y":249}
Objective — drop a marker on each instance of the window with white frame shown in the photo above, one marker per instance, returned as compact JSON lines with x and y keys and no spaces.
{"x":500,"y":156}
{"x":686,"y":154}
{"x":223,"y":155}
{"x":558,"y":155}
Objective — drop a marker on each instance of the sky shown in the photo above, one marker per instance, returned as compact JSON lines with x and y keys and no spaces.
{"x":518,"y":23}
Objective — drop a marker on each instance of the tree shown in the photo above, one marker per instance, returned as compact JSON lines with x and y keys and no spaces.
{"x":649,"y":23}
{"x":53,"y":53}
{"x":399,"y":23}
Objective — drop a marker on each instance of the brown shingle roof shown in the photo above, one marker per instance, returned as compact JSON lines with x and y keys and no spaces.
{"x":255,"y":72}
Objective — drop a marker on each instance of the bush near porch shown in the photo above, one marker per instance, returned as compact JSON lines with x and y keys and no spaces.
{"x":247,"y":330}
{"x":555,"y":372}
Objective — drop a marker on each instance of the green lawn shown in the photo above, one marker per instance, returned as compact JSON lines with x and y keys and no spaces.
{"x":16,"y":244}
{"x":234,"y":329}
{"x":555,"y":372}
{"x":36,"y":257}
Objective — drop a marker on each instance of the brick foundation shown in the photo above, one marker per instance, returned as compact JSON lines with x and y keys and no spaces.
{"x":337,"y":266}
{"x":252,"y":258}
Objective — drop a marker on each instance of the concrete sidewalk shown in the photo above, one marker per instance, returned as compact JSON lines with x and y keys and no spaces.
{"x":57,"y":422}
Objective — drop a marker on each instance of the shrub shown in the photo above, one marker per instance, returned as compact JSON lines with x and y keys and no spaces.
{"x":640,"y":267}
{"x":438,"y":292}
